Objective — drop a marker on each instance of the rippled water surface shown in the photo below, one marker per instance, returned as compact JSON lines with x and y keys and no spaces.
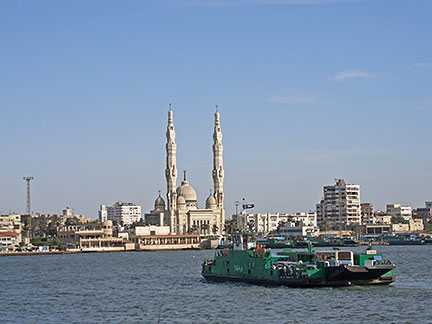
{"x":133,"y":287}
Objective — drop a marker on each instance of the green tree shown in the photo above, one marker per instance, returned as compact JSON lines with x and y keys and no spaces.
{"x":72,"y":221}
{"x":399,"y":220}
{"x":205,"y":228}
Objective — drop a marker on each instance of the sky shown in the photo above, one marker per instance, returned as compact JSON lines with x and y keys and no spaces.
{"x":308,"y":91}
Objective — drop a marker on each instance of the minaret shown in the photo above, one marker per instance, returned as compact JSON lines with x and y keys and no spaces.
{"x":218,"y":172}
{"x":171,"y":172}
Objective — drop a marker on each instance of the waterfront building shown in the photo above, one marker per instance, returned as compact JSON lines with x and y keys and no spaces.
{"x":375,"y":230}
{"x":396,"y":210}
{"x":265,"y":223}
{"x":151,"y":230}
{"x":181,"y":212}
{"x":367,"y":213}
{"x":298,"y":230}
{"x":121,"y":212}
{"x":340,"y":206}
{"x":8,"y":237}
{"x":167,"y":242}
{"x":260,"y":223}
{"x":305,"y":218}
{"x":90,"y":237}
{"x":12,"y":222}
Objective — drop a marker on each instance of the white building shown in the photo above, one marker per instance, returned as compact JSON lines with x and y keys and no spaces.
{"x":8,"y":238}
{"x":122,"y":213}
{"x":396,"y":210}
{"x":296,"y":229}
{"x":307,"y":219}
{"x":340,"y":205}
{"x":102,"y":214}
{"x":151,"y":230}
{"x":261,"y":223}
{"x":68,"y":212}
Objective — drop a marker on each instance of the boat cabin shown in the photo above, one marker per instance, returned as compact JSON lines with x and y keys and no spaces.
{"x":335,"y":258}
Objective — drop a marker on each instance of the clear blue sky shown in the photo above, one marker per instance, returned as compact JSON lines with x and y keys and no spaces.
{"x":308,"y":90}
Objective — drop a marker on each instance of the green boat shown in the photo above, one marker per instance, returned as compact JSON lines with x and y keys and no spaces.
{"x":307,"y":268}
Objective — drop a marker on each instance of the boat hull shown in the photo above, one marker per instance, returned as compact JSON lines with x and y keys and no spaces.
{"x":299,"y":283}
{"x":335,"y":277}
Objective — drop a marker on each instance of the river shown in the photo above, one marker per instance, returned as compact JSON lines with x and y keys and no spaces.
{"x":135,"y":287}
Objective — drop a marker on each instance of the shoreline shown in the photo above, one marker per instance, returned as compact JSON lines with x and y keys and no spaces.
{"x":3,"y":254}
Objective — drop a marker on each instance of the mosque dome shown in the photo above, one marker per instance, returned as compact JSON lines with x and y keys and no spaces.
{"x":181,"y":201}
{"x":159,"y":203}
{"x":210,"y":202}
{"x":187,"y":192}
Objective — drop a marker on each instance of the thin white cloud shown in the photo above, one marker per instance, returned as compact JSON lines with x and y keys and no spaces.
{"x":424,"y":65}
{"x":348,"y":74}
{"x":222,"y":3}
{"x":316,"y":157}
{"x":295,"y":100}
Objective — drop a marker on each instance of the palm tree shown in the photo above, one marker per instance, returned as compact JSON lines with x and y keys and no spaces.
{"x":205,"y":227}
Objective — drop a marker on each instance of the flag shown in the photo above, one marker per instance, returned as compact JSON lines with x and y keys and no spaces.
{"x":247,"y":206}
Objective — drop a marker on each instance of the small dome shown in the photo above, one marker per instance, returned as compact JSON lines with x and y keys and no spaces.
{"x":159,"y":203}
{"x":181,"y":201}
{"x":187,"y":192}
{"x":107,"y":223}
{"x":210,"y":202}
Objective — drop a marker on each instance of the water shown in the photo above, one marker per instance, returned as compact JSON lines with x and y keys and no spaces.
{"x":132,"y":287}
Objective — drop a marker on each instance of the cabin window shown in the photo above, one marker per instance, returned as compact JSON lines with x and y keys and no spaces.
{"x":344,"y":255}
{"x":271,"y":272}
{"x":249,"y":272}
{"x":227,"y":269}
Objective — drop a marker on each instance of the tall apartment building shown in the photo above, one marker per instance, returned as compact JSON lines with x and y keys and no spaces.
{"x":102,"y":213}
{"x":396,"y":210}
{"x":340,"y":205}
{"x":121,"y":212}
{"x":367,"y":213}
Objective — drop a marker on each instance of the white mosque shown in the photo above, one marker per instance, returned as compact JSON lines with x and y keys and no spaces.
{"x":181,"y":213}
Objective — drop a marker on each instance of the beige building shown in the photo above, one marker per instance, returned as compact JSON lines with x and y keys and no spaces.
{"x":9,"y":238}
{"x":90,"y":237}
{"x":367,"y":213}
{"x":182,"y":213}
{"x":13,"y":225}
{"x":340,"y":205}
{"x":416,"y":225}
{"x":396,"y":210}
